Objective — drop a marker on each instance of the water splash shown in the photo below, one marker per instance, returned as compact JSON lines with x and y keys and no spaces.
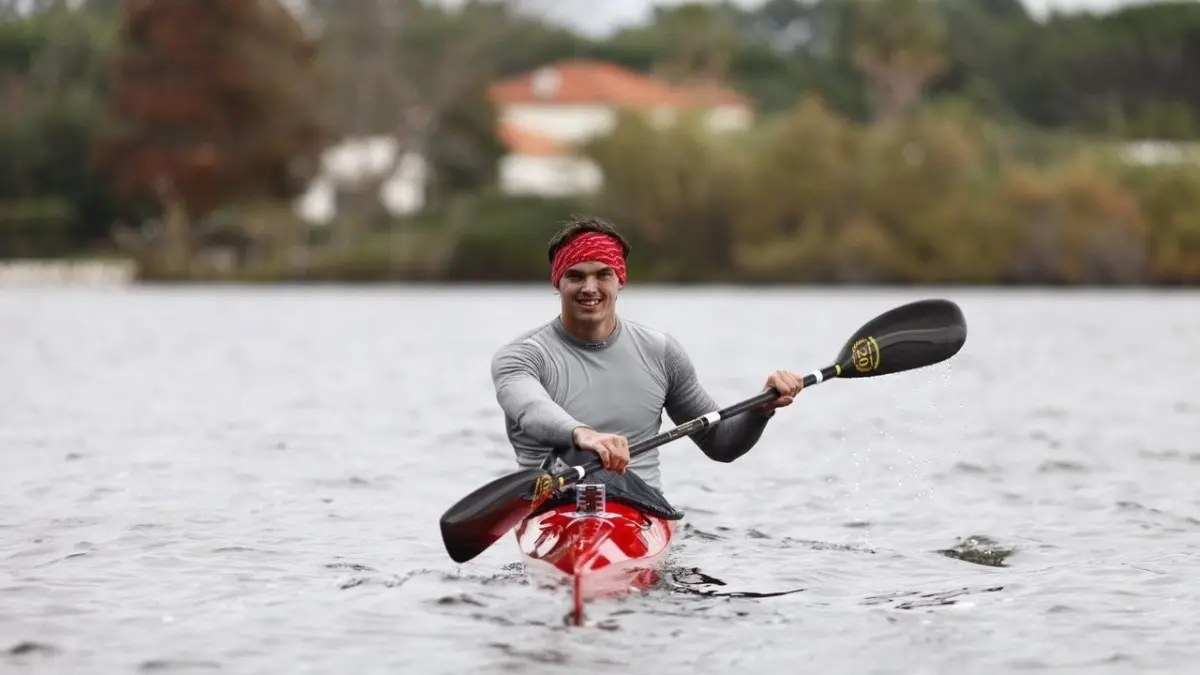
{"x":979,"y":550}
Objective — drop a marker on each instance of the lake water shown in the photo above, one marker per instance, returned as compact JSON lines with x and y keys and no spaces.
{"x":249,"y":480}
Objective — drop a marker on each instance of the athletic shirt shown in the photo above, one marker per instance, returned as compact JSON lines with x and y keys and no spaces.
{"x":549,"y":382}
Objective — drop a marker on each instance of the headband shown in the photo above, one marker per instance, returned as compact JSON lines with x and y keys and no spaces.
{"x":589,"y":247}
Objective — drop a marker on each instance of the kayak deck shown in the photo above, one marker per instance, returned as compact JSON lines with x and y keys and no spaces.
{"x":599,"y":548}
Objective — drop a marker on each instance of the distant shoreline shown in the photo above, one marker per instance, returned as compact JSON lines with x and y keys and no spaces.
{"x":116,"y":272}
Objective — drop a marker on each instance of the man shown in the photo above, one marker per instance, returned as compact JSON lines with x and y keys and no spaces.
{"x":591,"y":380}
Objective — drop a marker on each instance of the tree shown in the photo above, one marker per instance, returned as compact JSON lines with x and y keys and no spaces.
{"x":52,"y":78}
{"x":699,"y":40}
{"x":414,"y":71}
{"x":900,"y":45}
{"x":215,"y":101}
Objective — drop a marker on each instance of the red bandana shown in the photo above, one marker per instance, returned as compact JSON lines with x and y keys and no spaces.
{"x":589,"y":247}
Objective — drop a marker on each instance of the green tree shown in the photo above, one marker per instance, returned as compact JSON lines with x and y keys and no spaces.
{"x":680,"y":187}
{"x":699,"y":41}
{"x":900,"y":45}
{"x":53,"y":75}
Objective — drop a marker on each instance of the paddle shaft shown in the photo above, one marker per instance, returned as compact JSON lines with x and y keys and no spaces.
{"x":702,"y":423}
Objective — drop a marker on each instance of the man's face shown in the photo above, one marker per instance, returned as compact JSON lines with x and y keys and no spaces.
{"x":589,"y":292}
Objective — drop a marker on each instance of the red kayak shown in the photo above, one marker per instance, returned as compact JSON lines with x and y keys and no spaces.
{"x":600,"y":548}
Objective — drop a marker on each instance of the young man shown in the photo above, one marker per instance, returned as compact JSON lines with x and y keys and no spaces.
{"x":596,"y":382}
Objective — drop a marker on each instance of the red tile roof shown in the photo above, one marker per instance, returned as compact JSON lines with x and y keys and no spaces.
{"x":524,"y":142}
{"x":598,"y":82}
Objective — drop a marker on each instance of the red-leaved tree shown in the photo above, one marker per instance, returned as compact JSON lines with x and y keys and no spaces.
{"x":214,"y":101}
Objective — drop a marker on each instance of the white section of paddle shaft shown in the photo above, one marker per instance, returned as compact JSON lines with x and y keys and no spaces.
{"x":817,"y":374}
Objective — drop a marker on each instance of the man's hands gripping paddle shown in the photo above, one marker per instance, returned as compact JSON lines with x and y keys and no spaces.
{"x":612,"y":449}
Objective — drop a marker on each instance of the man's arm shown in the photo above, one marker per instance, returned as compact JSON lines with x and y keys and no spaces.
{"x":519,"y":390}
{"x":686,"y":400}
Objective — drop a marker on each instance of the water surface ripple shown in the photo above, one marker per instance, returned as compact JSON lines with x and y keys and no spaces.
{"x":249,"y":480}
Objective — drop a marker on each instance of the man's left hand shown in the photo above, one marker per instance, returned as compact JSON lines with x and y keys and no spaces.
{"x":788,"y":384}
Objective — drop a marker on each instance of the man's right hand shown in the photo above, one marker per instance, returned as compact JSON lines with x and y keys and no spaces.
{"x":612,"y":449}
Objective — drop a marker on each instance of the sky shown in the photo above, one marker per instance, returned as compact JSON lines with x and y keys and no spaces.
{"x":600,"y":17}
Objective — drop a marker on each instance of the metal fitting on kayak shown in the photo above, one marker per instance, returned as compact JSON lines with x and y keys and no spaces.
{"x":590,"y":498}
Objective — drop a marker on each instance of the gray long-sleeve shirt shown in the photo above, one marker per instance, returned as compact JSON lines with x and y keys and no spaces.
{"x":548,"y":383}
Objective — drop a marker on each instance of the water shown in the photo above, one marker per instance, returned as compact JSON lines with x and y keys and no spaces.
{"x":248,"y":481}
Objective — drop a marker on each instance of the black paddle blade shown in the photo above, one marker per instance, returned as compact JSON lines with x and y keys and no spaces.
{"x":910,"y":336}
{"x":479,"y":520}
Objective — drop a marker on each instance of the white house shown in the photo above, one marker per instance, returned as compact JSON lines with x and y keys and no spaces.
{"x":540,"y":115}
{"x":356,"y":159}
{"x":543,"y":112}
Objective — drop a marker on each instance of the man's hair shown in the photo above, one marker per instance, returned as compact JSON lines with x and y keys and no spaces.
{"x":579,"y":226}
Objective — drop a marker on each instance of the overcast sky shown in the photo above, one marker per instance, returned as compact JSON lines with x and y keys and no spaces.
{"x":600,"y":17}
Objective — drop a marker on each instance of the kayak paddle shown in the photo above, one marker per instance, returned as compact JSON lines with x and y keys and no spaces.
{"x":911,"y":336}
